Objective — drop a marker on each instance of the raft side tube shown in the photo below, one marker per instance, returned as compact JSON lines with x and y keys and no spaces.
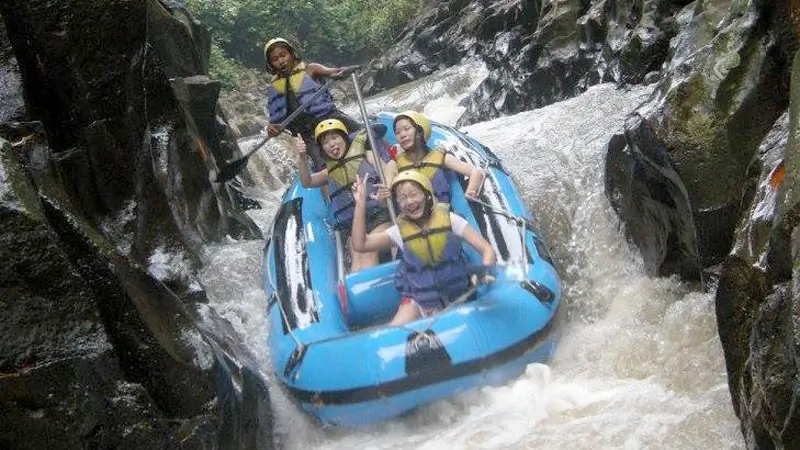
{"x":501,"y":318}
{"x":370,"y":369}
{"x":372,"y":297}
{"x":378,"y":410}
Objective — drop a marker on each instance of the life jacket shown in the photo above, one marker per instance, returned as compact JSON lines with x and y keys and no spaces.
{"x":302,"y":86}
{"x":341,"y":176}
{"x":360,"y":139}
{"x":433,"y":268}
{"x":432,"y":166}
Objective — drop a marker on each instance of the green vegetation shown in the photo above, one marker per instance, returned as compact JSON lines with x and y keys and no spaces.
{"x":335,"y":32}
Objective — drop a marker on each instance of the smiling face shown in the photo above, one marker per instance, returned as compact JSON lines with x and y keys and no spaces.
{"x":333,"y":144}
{"x":281,"y":59}
{"x":411,"y":199}
{"x":406,"y":132}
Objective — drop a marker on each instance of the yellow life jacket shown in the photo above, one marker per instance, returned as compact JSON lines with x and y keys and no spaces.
{"x":432,"y":166}
{"x":433,"y":268}
{"x":427,"y":243}
{"x":295,"y":79}
{"x":344,"y":170}
{"x":428,"y":166}
{"x":302,"y":88}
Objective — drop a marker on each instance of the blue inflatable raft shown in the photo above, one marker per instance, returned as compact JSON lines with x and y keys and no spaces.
{"x":327,"y":341}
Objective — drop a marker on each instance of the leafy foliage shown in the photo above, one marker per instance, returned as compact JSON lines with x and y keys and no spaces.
{"x":336,"y":32}
{"x":226,"y":70}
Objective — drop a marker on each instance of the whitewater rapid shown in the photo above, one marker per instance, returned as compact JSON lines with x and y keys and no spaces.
{"x":639,"y":365}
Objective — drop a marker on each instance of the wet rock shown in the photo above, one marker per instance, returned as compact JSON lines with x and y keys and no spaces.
{"x":742,"y":289}
{"x":758,"y":326}
{"x":561,"y":50}
{"x":722,"y":91}
{"x":106,"y":206}
{"x":12,"y":105}
{"x":646,"y":191}
{"x":96,"y":351}
{"x":758,"y":296}
{"x":61,"y":384}
{"x":444,"y":35}
{"x":764,"y":177}
{"x":769,"y":390}
{"x":45,"y":301}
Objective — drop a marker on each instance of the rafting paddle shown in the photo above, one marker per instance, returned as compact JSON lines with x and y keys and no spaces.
{"x":232,"y":168}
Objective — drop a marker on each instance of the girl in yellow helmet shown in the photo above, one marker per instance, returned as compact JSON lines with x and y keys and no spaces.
{"x":293,"y":82}
{"x":345,"y":160}
{"x":413,"y":130}
{"x":432,"y":270}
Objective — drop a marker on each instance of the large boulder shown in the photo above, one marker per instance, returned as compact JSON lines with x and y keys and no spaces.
{"x":644,"y":188}
{"x":561,"y":50}
{"x":537,"y":53}
{"x":12,"y":105}
{"x":106,"y":207}
{"x":758,"y":293}
{"x":723,"y":89}
{"x":445,"y":34}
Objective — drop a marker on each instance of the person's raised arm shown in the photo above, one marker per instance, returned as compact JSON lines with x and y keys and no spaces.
{"x":308,"y":179}
{"x":475,"y":174}
{"x":361,"y":241}
{"x":317,"y":70}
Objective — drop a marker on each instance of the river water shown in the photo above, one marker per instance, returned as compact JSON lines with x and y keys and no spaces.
{"x":639,"y":364}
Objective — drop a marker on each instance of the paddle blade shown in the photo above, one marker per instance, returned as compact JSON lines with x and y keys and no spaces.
{"x":230,"y":171}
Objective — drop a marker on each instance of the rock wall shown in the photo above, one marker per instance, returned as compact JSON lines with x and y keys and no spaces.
{"x":109,"y":128}
{"x":703,"y":176}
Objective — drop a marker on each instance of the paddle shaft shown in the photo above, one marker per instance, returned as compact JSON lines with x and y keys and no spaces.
{"x":340,"y":271}
{"x":372,"y":143}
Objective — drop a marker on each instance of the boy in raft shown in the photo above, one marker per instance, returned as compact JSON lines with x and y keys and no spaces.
{"x":293,"y":82}
{"x":413,"y":130}
{"x":433,"y":268}
{"x":346,"y":159}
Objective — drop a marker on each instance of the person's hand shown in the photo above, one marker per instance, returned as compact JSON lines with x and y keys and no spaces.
{"x":360,"y":189}
{"x":471,"y":194}
{"x":381,"y":193}
{"x":273,"y":129}
{"x":300,"y":145}
{"x":336,"y":72}
{"x":485,"y":277}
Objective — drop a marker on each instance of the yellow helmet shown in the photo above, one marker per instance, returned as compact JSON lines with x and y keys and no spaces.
{"x":273,"y":42}
{"x":415,"y":176}
{"x":329,"y":125}
{"x":419,"y":120}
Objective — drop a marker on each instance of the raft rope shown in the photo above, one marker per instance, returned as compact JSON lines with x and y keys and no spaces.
{"x":297,"y":355}
{"x":300,"y":351}
{"x":520,"y":221}
{"x":285,"y":318}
